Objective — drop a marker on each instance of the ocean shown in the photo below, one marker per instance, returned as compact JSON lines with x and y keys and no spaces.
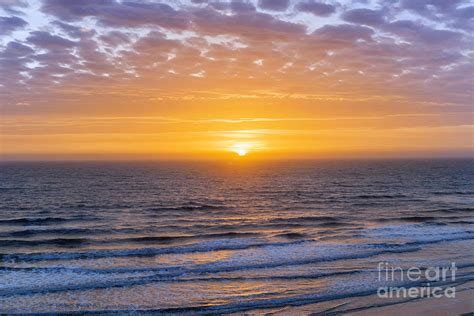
{"x":286,"y":237}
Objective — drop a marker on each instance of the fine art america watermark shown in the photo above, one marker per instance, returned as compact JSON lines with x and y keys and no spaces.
{"x":422,"y":277}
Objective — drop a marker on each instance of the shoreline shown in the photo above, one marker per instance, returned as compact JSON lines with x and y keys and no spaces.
{"x":462,"y":304}
{"x":372,"y":305}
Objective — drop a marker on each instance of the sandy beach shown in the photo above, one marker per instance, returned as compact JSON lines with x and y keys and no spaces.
{"x":463,"y":304}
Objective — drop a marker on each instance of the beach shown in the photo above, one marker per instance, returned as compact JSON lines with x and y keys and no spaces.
{"x":463,"y":304}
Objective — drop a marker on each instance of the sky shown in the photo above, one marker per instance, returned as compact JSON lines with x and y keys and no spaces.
{"x":209,"y":79}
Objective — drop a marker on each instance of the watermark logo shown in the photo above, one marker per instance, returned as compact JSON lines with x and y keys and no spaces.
{"x":388,"y":273}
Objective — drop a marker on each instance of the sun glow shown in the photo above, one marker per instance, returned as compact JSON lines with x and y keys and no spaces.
{"x":241,"y":149}
{"x":241,"y":152}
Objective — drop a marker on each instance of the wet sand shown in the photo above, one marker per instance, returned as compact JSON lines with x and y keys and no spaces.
{"x":463,"y":304}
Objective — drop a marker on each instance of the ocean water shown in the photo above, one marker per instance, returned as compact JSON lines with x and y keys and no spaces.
{"x":213,"y":238}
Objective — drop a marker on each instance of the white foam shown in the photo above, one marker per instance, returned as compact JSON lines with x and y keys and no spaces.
{"x":419,"y":233}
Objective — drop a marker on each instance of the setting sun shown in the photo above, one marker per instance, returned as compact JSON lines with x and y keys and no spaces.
{"x":241,"y":152}
{"x":241,"y":149}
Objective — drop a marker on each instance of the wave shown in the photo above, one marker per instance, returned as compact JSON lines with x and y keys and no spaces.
{"x":169,"y":239}
{"x":304,"y":219}
{"x":454,"y":210}
{"x":171,"y":273}
{"x":422,"y":219}
{"x":415,"y":219}
{"x":135,"y":281}
{"x":257,"y":303}
{"x":25,"y":220}
{"x":380,"y":196}
{"x":69,"y":231}
{"x":61,"y":242}
{"x":419,"y":233}
{"x":69,"y":242}
{"x":44,"y":220}
{"x":189,"y":207}
{"x":463,"y":222}
{"x":216,"y":245}
{"x":292,"y":235}
{"x":452,"y":193}
{"x":413,"y":235}
{"x":335,"y":224}
{"x":305,"y":253}
{"x":53,"y":231}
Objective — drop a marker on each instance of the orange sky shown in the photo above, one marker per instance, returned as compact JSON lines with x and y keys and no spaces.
{"x":292,"y":79}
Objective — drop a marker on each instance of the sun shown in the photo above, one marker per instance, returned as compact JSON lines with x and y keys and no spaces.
{"x":241,"y":149}
{"x":241,"y":152}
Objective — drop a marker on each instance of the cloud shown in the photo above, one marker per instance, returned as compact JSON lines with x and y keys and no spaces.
{"x":46,"y":40}
{"x":74,"y":31}
{"x":367,"y":50}
{"x":464,"y":13}
{"x":9,"y":24}
{"x":462,"y":18}
{"x":11,"y":6}
{"x":75,"y":10}
{"x":274,"y":5}
{"x":429,"y":8}
{"x":115,"y":38}
{"x":364,"y":17}
{"x":13,"y":60}
{"x":118,"y":14}
{"x":242,"y":6}
{"x":16,"y":50}
{"x":155,"y":42}
{"x":316,"y":8}
{"x":455,"y":14}
{"x":344,"y":33}
{"x":413,"y":31}
{"x":250,"y":25}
